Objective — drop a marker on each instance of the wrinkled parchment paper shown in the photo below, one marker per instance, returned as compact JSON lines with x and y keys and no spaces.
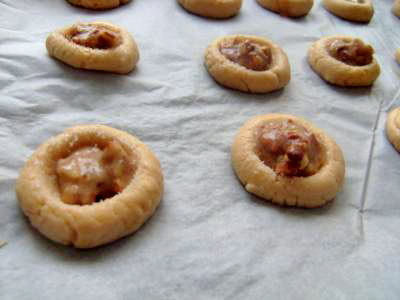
{"x":209,"y":239}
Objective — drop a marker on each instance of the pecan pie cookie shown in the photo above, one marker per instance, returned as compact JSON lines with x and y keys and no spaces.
{"x":393,"y":128}
{"x":287,"y":160}
{"x":212,"y":8}
{"x":98,"y":4}
{"x":94,"y":46}
{"x":352,"y":10}
{"x":344,"y":61}
{"x":396,"y":8}
{"x":248,"y":63}
{"x":398,"y":55}
{"x":290,"y":8}
{"x":90,"y":185}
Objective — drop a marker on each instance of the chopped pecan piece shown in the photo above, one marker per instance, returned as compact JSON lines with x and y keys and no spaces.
{"x":289,"y":149}
{"x":96,"y":37}
{"x":247,"y":54}
{"x":354,"y":53}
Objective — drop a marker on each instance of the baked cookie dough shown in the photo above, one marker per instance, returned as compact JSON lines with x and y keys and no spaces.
{"x":287,"y":160}
{"x":247,"y":63}
{"x":290,"y":8}
{"x":393,"y":128}
{"x":90,"y":185}
{"x":94,"y":46}
{"x":98,"y":4}
{"x":219,"y":9}
{"x":352,"y":10}
{"x":344,"y":61}
{"x":396,"y":8}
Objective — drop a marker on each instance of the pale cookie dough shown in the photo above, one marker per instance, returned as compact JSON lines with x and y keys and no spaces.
{"x":90,"y":185}
{"x":94,"y":46}
{"x":290,"y":8}
{"x":247,"y":63}
{"x":398,"y":55}
{"x":98,"y":4}
{"x":352,"y":10}
{"x":344,"y":61}
{"x":396,"y":8}
{"x":393,"y":128}
{"x":212,"y":8}
{"x":287,"y":160}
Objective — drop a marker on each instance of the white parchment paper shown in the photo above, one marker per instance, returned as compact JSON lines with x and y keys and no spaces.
{"x":209,"y":239}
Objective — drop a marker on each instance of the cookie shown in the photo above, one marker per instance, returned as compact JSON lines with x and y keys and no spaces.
{"x":89,"y":186}
{"x":287,"y":160}
{"x":344,"y":61}
{"x":98,"y":46}
{"x":98,"y":4}
{"x":290,"y":8}
{"x":352,"y":10}
{"x":396,"y":8}
{"x":398,"y":55}
{"x":247,"y":63}
{"x":393,"y":128}
{"x":219,"y":9}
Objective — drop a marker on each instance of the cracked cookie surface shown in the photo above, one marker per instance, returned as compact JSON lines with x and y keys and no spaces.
{"x":287,"y":160}
{"x":247,"y":63}
{"x":90,"y":185}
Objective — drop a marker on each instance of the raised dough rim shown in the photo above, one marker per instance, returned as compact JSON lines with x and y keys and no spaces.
{"x":127,"y":48}
{"x":277,"y":53}
{"x":319,"y":51}
{"x":244,"y":145}
{"x":221,"y":68}
{"x":230,"y":8}
{"x":91,"y":6}
{"x":147,"y":178}
{"x":392,"y":131}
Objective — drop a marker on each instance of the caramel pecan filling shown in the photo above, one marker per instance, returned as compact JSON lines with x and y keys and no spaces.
{"x":92,"y":174}
{"x":354,"y":53}
{"x":96,"y":37}
{"x":289,"y":149}
{"x":247,"y":54}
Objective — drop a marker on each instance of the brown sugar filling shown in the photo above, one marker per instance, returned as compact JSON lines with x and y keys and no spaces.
{"x":247,"y":54}
{"x":91,"y":174}
{"x":289,"y":149}
{"x":354,"y":53}
{"x":94,"y":36}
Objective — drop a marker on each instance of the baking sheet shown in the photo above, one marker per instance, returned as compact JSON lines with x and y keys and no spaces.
{"x":209,"y":239}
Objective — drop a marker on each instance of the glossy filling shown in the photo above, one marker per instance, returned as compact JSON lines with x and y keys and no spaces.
{"x":289,"y":149}
{"x":247,"y":54}
{"x":94,"y":36}
{"x":354,"y":52}
{"x":91,"y":174}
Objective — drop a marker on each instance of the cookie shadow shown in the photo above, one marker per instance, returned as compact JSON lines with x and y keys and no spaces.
{"x":71,"y":255}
